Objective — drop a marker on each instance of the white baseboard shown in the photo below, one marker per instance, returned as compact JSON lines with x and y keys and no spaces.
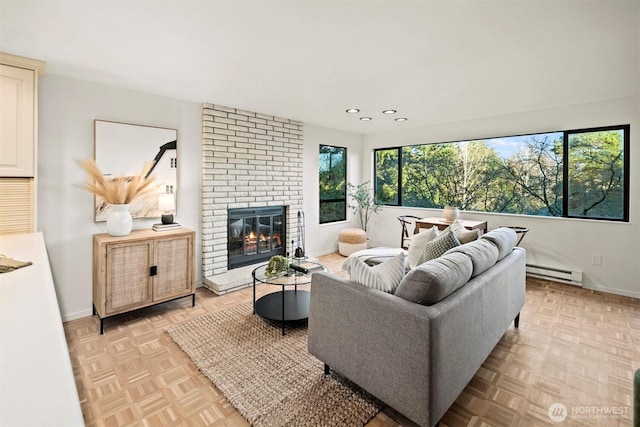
{"x":77,"y":315}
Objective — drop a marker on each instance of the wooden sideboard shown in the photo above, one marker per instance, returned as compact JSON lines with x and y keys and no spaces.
{"x":141,"y":269}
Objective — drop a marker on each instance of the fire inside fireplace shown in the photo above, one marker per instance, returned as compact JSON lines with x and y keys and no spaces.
{"x":255,"y":235}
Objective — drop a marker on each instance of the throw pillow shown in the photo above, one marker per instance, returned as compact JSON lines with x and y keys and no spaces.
{"x":418,"y":242}
{"x":440,"y":245}
{"x":504,"y":238}
{"x":384,"y":277}
{"x":436,"y":279}
{"x":464,"y":235}
{"x":483,"y":255}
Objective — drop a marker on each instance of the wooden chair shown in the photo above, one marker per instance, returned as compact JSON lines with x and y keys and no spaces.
{"x":405,"y":220}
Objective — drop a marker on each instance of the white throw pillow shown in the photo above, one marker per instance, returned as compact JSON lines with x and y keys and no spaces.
{"x":384,"y":277}
{"x":464,"y":235}
{"x":418,"y":243}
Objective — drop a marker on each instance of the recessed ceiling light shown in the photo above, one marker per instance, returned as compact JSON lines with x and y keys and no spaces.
{"x":365,"y":119}
{"x":353,"y":110}
{"x":401,"y":119}
{"x":389,"y":111}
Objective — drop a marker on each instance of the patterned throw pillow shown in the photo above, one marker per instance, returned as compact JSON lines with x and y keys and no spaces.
{"x":464,"y":235}
{"x":441,"y":244}
{"x":384,"y":277}
{"x":416,"y":248}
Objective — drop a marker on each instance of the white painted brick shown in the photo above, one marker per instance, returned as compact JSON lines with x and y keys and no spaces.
{"x":245,"y":124}
{"x":261,"y":121}
{"x":264,"y":116}
{"x":223,"y":108}
{"x":238,"y":128}
{"x":238,"y":139}
{"x":224,"y":120}
{"x":218,"y":132}
{"x":246,"y":113}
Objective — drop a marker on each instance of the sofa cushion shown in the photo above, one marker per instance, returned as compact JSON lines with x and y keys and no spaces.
{"x":383,"y":277}
{"x":483,"y":255}
{"x":418,"y":242}
{"x":436,"y":279}
{"x":440,"y":245}
{"x":464,"y":235}
{"x":504,"y":238}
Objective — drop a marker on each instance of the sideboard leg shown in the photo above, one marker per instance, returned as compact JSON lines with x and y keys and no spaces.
{"x":327,"y":369}
{"x":193,"y":300}
{"x":516,"y":321}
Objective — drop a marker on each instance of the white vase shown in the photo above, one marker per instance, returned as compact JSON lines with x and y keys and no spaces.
{"x":119,"y":222}
{"x":451,"y":213}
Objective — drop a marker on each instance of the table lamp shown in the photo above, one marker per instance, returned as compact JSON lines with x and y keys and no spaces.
{"x":167,"y":203}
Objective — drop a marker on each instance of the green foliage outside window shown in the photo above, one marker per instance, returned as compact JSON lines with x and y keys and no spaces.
{"x":333,"y":184}
{"x":563,"y":174}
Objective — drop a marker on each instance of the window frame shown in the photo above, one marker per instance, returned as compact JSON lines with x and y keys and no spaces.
{"x":626,"y":143}
{"x":342,"y":199}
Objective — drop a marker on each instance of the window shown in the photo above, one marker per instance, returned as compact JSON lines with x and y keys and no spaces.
{"x":577,"y":174}
{"x":333,"y":184}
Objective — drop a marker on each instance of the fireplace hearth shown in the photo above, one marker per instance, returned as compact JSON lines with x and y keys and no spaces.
{"x":255,"y":235}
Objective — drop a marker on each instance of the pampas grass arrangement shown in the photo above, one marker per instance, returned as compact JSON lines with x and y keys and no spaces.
{"x":120,"y":190}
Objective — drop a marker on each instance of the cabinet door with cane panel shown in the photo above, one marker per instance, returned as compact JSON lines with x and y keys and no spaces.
{"x":141,"y":269}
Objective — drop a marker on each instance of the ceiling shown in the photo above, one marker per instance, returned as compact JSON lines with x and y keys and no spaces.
{"x":431,"y":61}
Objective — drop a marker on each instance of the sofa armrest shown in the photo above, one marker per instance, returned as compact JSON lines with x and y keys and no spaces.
{"x":377,"y":340}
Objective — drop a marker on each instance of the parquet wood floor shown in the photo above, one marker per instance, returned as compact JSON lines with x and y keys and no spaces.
{"x":575,"y":347}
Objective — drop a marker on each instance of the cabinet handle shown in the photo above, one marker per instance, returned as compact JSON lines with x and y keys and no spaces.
{"x":153,"y":270}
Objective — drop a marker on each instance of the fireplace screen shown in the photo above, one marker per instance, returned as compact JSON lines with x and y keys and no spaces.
{"x":255,"y":235}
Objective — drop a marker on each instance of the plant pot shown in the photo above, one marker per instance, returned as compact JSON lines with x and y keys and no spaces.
{"x":119,"y":222}
{"x":451,"y":213}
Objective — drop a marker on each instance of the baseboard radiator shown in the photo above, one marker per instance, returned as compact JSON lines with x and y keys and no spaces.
{"x":555,"y":274}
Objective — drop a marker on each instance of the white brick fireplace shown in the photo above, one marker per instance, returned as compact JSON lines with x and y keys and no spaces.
{"x":249,"y":160}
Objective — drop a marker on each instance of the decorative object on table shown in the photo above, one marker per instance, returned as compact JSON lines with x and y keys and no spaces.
{"x":118,"y":192}
{"x":351,"y":240}
{"x":119,"y":150}
{"x":365,"y":203}
{"x":165,"y":227}
{"x":405,"y":236}
{"x":286,"y":384}
{"x":300,"y":249}
{"x":9,"y":264}
{"x":277,"y":265}
{"x":451,"y":213}
{"x":167,"y":204}
{"x":119,"y":222}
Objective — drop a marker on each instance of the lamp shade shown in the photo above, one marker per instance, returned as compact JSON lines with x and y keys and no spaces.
{"x":166,"y":202}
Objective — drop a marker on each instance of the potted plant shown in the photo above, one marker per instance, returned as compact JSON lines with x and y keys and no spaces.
{"x":365,"y":203}
{"x":276,"y":266}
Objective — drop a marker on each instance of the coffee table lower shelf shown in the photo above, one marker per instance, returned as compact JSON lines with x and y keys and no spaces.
{"x":284,"y":306}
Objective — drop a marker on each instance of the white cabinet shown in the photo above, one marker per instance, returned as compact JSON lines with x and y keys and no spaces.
{"x":18,"y":115}
{"x":18,"y":142}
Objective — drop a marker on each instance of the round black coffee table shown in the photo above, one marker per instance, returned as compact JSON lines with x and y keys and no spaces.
{"x":285,"y":305}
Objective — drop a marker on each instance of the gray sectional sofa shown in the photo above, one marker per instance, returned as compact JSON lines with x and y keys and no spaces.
{"x":417,"y":349}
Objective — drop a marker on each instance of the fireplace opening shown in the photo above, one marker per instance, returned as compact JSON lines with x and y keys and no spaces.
{"x":255,"y":235}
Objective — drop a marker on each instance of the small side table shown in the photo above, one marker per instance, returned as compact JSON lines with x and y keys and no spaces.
{"x":285,"y":305}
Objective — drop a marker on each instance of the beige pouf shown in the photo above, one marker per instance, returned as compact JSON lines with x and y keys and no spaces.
{"x":351,"y":240}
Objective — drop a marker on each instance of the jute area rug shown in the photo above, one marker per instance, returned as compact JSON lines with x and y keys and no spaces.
{"x":271,"y":379}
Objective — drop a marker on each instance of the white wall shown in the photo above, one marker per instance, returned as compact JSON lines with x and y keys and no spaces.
{"x":322,"y":239}
{"x":65,"y":211}
{"x":550,"y":242}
